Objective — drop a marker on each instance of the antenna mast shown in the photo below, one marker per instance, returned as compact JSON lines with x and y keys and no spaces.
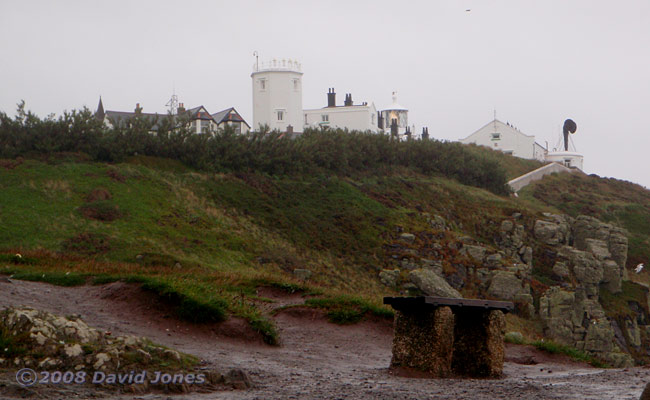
{"x":173,"y":103}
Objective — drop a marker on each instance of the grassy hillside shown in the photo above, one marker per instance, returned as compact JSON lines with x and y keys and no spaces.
{"x":207,"y":238}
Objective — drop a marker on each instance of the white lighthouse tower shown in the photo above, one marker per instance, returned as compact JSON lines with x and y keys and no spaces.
{"x":277,"y":95}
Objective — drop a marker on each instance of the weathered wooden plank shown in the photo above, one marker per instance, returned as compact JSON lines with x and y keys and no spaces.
{"x":405,"y":303}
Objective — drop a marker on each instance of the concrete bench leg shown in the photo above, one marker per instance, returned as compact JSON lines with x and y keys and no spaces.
{"x":478,"y":343}
{"x":424,"y":340}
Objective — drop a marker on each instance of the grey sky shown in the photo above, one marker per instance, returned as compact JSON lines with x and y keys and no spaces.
{"x":535,"y":62}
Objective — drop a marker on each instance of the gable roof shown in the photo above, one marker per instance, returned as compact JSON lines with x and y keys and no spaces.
{"x":501,"y":125}
{"x":229,"y":114}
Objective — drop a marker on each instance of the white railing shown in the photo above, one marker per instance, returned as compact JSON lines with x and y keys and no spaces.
{"x":277,"y":65}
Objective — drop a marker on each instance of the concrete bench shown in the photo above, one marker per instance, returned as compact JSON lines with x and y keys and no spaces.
{"x":446,"y":336}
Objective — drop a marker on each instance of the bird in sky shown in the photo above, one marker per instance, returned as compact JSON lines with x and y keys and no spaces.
{"x":638,"y":268}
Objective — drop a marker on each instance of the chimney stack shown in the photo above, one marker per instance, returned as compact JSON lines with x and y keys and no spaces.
{"x":393,"y":127}
{"x":181,"y":108}
{"x":425,"y":133}
{"x":138,"y":109}
{"x":331,"y":98}
{"x":348,"y":100}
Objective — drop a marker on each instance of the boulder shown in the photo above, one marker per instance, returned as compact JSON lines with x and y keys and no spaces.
{"x":407,"y":237}
{"x":553,"y":232}
{"x":493,"y":260}
{"x":526,"y":253}
{"x":505,"y":285}
{"x":389,"y":278}
{"x":432,"y":284}
{"x":475,"y":252}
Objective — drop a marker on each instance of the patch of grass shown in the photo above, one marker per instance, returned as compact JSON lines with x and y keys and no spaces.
{"x":514,"y":338}
{"x":104,"y":279}
{"x":266,"y":328}
{"x":618,"y":305}
{"x":55,"y":278}
{"x":87,"y":243}
{"x":189,"y":304}
{"x":18,"y":259}
{"x":101,"y":210}
{"x":349,"y":309}
{"x":11,"y":346}
{"x":578,"y":355}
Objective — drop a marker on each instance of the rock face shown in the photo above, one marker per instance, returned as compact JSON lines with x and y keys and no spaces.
{"x":432,"y":284}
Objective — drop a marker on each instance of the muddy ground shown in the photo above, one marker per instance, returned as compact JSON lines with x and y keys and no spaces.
{"x":316,"y":359}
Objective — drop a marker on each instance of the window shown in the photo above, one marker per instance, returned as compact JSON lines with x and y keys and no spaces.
{"x":262,"y":84}
{"x":372,"y":119}
{"x":296,"y":84}
{"x":325,"y":117}
{"x":236,"y":126}
{"x":496,"y":136}
{"x":280,"y":115}
{"x":205,"y":126}
{"x":496,"y":144}
{"x":305,"y":119}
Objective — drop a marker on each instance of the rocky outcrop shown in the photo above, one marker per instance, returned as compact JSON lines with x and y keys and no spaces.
{"x":574,"y":319}
{"x":67,"y":342}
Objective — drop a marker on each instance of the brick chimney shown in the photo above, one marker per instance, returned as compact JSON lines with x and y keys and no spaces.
{"x":138,"y":109}
{"x":181,"y":108}
{"x":331,"y":98}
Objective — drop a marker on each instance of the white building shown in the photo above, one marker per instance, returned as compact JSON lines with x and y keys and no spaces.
{"x":360,"y":117}
{"x":395,"y":118}
{"x":508,"y":139}
{"x":277,"y":95}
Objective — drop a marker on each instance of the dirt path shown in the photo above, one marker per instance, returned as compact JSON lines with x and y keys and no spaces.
{"x":316,"y":360}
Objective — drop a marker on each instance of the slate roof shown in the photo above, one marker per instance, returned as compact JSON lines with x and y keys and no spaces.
{"x":227,"y":115}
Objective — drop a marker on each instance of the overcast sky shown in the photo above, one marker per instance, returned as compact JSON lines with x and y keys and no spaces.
{"x":535,"y":62}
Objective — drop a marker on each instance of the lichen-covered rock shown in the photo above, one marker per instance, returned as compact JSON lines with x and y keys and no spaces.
{"x":558,"y":313}
{"x":598,"y":248}
{"x":389,"y":278}
{"x":424,"y":340}
{"x":561,"y":270}
{"x":505,"y":285}
{"x":633,"y":333}
{"x":587,"y":270}
{"x":432,"y":284}
{"x":56,"y":342}
{"x":475,"y":252}
{"x":493,"y":260}
{"x":612,"y":276}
